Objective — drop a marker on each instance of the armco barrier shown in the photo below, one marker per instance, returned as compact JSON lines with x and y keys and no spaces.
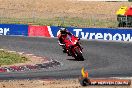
{"x":14,"y":29}
{"x":98,"y":33}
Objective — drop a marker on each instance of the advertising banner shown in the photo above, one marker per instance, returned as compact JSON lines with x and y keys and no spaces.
{"x":14,"y":29}
{"x":51,"y":31}
{"x":98,"y":33}
{"x":38,"y":31}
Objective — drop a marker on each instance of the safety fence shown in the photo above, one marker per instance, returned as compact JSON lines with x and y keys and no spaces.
{"x":115,"y":34}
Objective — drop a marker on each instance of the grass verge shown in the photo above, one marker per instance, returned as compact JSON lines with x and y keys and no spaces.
{"x":8,"y":58}
{"x":66,"y":21}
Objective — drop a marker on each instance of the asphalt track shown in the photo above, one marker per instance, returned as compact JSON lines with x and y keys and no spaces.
{"x":102,"y":59}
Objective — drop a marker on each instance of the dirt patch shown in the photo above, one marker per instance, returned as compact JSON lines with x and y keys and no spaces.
{"x":59,"y":8}
{"x":69,"y":83}
{"x":57,"y":12}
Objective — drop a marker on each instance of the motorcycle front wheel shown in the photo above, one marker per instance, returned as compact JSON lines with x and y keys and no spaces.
{"x":78,"y":54}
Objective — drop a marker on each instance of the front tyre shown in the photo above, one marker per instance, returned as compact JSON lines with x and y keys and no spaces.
{"x":78,"y":54}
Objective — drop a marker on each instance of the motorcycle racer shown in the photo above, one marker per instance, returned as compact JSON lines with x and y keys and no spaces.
{"x":62,"y":35}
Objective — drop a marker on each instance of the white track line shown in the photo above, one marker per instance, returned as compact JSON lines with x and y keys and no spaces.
{"x":122,"y":77}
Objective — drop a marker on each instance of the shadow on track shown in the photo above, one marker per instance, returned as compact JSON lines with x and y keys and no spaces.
{"x":74,"y":60}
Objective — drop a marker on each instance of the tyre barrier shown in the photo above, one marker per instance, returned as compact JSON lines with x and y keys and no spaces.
{"x":47,"y":65}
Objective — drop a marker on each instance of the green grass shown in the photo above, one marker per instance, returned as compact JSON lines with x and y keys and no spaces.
{"x":65,"y":21}
{"x":8,"y":58}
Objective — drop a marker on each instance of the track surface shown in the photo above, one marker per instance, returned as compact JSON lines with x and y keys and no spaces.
{"x":102,"y":59}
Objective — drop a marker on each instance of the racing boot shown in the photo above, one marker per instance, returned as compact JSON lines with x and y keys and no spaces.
{"x":68,"y":53}
{"x":64,"y":49}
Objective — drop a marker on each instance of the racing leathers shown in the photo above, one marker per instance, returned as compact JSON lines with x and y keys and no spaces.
{"x":61,"y":39}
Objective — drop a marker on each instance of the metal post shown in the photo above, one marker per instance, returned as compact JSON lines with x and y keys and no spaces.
{"x":126,"y":22}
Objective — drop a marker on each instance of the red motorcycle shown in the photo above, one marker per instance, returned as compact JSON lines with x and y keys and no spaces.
{"x":73,"y":47}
